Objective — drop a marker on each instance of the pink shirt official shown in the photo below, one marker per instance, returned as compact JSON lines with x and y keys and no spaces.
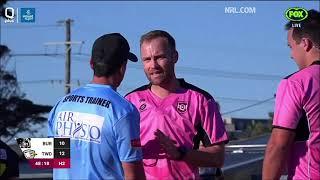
{"x":298,"y":109}
{"x":188,"y":116}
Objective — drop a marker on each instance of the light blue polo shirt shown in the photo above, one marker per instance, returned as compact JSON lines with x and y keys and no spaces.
{"x":103,"y":128}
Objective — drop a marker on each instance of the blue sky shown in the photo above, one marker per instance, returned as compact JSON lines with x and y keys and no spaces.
{"x":208,"y":41}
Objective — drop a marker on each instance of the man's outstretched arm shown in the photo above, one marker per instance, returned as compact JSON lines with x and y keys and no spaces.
{"x":211,"y":156}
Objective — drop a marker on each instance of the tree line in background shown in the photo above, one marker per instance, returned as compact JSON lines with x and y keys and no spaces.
{"x":254,"y":129}
{"x":17,"y":114}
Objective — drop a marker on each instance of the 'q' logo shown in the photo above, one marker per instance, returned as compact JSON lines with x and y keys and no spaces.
{"x":296,"y":14}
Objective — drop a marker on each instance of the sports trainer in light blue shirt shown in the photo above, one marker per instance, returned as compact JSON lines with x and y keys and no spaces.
{"x":103,"y":127}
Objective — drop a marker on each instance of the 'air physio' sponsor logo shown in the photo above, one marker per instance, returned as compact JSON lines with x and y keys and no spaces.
{"x":296,"y":14}
{"x":81,"y":126}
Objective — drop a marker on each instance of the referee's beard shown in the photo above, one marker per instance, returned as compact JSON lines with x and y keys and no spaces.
{"x":161,"y":79}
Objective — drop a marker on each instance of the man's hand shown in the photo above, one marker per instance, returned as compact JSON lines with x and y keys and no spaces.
{"x":168,"y":145}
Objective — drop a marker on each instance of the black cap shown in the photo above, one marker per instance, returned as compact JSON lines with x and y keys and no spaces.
{"x":112,"y":49}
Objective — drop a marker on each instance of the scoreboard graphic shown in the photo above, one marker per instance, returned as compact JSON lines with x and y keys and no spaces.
{"x":46,"y":152}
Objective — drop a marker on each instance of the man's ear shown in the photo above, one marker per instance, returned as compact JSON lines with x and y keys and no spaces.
{"x":307,"y":44}
{"x":91,"y":64}
{"x":123,"y":68}
{"x":175,"y":56}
